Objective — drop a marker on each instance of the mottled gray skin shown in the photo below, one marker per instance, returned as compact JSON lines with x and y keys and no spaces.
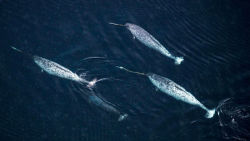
{"x":171,"y":88}
{"x":103,"y":104}
{"x":54,"y":68}
{"x":147,"y":39}
{"x":106,"y":106}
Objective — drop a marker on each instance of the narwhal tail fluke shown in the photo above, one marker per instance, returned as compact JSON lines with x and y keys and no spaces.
{"x":122,"y":117}
{"x":210,"y":113}
{"x":116,"y":24}
{"x":178,"y":60}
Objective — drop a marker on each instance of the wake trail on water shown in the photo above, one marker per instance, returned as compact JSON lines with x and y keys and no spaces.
{"x":234,"y":119}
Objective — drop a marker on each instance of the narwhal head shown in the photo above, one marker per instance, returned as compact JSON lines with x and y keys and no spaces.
{"x":150,"y":74}
{"x":129,"y":25}
{"x":157,"y":79}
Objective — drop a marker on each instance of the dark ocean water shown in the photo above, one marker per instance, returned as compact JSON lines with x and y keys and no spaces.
{"x":213,"y":36}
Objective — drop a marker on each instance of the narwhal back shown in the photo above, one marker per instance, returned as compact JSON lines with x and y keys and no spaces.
{"x":54,"y":68}
{"x":171,"y":88}
{"x":143,"y":36}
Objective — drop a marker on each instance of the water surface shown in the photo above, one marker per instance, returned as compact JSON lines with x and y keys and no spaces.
{"x":212,"y":36}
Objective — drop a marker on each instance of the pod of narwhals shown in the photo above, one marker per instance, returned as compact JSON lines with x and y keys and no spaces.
{"x":165,"y":85}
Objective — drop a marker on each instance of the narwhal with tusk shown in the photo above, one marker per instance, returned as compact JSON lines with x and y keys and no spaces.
{"x":171,"y":88}
{"x":58,"y":70}
{"x":147,"y":39}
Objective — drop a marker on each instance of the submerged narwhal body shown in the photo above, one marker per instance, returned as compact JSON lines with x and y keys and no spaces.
{"x":58,"y":70}
{"x":106,"y":106}
{"x":172,"y":89}
{"x":147,"y":39}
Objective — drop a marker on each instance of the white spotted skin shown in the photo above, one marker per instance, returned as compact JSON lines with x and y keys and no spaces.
{"x":171,"y":88}
{"x":55,"y":69}
{"x":147,"y":39}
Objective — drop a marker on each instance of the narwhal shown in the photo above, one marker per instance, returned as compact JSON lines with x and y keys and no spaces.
{"x":58,"y":70}
{"x":147,"y":39}
{"x":100,"y":102}
{"x":174,"y":90}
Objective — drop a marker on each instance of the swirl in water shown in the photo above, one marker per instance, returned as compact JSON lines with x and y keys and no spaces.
{"x":91,"y":95}
{"x":234,"y":119}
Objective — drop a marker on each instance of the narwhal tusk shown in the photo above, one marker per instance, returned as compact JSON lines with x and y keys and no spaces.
{"x":116,"y":24}
{"x":14,"y":48}
{"x":135,"y":72}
